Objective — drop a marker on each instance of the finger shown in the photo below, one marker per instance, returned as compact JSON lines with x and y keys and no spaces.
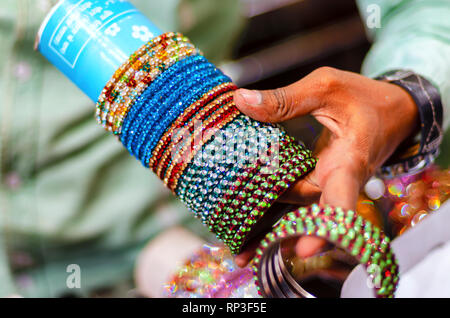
{"x":244,"y":258}
{"x":307,"y":246}
{"x":303,"y":192}
{"x":247,"y":255}
{"x":276,"y":105}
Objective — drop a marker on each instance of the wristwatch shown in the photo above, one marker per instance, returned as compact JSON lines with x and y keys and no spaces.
{"x":415,"y":155}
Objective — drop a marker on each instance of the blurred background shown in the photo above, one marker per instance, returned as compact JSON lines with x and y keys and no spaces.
{"x":64,"y":199}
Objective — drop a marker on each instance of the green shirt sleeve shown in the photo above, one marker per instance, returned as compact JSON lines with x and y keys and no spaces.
{"x":412,"y":35}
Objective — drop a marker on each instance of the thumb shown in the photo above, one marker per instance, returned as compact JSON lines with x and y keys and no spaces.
{"x":274,"y":106}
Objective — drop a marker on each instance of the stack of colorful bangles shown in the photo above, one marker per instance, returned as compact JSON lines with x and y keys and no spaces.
{"x":174,"y":111}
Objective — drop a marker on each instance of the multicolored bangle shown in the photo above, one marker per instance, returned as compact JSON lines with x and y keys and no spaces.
{"x":270,"y":195}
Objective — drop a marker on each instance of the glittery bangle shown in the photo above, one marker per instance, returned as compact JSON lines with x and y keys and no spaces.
{"x":153,"y":125}
{"x":149,"y":123}
{"x":142,"y":73}
{"x":160,"y":89}
{"x":133,"y":86}
{"x":208,"y":176}
{"x":267,"y":191}
{"x":149,"y":51}
{"x":152,"y":93}
{"x":186,"y":149}
{"x":345,"y":229}
{"x":182,"y":167}
{"x":190,"y":92}
{"x":217,"y":127}
{"x":234,"y":155}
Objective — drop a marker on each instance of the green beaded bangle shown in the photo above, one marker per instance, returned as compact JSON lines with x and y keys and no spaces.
{"x":347,"y":230}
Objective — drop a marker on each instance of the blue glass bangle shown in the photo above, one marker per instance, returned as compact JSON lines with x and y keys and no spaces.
{"x":150,"y":115}
{"x":192,"y":91}
{"x":158,"y":82}
{"x":152,"y":110}
{"x":153,"y":94}
{"x":146,"y":140}
{"x":154,"y":90}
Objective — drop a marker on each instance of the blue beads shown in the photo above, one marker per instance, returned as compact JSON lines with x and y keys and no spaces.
{"x":164,"y":100}
{"x":158,"y":89}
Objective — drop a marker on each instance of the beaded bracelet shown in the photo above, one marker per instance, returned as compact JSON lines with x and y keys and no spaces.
{"x":222,"y":216}
{"x":159,"y":90}
{"x":204,"y":115}
{"x":187,"y":125}
{"x":250,"y":171}
{"x":264,"y":179}
{"x":202,"y":161}
{"x":236,"y":236}
{"x":146,"y":134}
{"x":122,"y":105}
{"x":205,"y":176}
{"x":156,"y":48}
{"x":154,"y":89}
{"x":189,"y":93}
{"x":216,"y":144}
{"x":347,"y":230}
{"x":141,"y":74}
{"x":228,"y":171}
{"x":149,"y":125}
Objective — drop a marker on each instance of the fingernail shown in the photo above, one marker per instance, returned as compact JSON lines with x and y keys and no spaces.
{"x":251,"y":97}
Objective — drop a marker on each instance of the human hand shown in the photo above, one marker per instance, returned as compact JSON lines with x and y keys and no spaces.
{"x":364,"y":121}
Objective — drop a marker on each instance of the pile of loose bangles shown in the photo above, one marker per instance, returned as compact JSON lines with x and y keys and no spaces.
{"x":174,"y":112}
